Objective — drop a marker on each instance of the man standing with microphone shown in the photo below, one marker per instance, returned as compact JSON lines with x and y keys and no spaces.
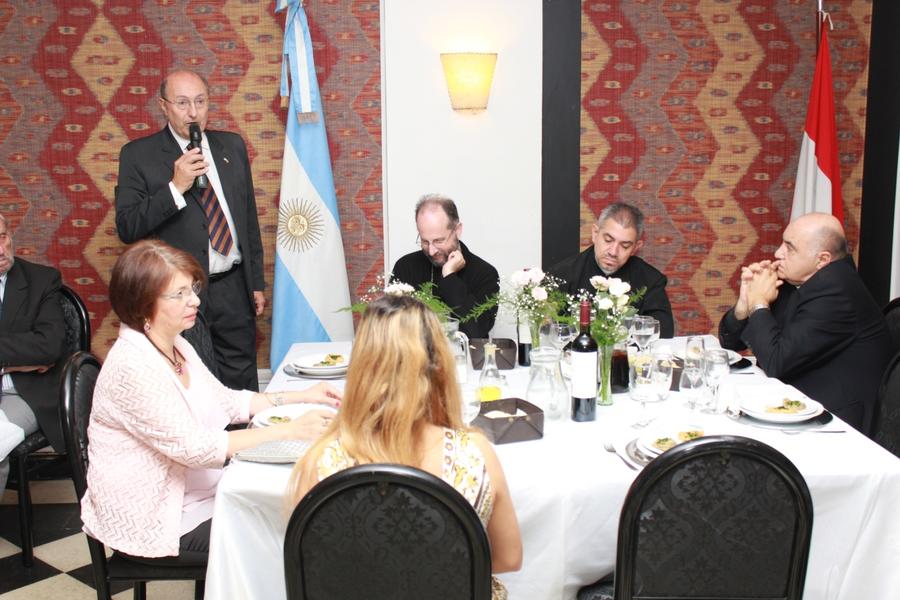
{"x":193,"y":189}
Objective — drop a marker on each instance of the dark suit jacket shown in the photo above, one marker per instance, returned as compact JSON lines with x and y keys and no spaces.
{"x":827,"y":337}
{"x":33,"y":332}
{"x":462,"y":291}
{"x":576,"y":271}
{"x":145,"y":207}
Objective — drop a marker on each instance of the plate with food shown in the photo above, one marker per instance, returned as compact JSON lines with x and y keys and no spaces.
{"x":658,"y":441}
{"x":330,"y":363}
{"x":789,"y":407}
{"x":285,"y":413}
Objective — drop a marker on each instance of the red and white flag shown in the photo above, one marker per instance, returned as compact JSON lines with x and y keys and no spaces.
{"x":818,"y":185}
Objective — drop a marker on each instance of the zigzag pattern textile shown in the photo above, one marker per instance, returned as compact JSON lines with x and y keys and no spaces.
{"x":694,"y":111}
{"x":80,"y":78}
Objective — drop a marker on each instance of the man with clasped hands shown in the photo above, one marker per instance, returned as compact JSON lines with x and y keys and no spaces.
{"x":617,"y":236}
{"x":811,"y":322}
{"x":156,"y":197}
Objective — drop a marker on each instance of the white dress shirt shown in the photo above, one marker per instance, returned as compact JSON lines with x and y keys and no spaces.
{"x":217,"y":262}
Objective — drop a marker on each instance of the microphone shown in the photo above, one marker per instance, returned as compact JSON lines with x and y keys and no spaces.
{"x":202,"y":181}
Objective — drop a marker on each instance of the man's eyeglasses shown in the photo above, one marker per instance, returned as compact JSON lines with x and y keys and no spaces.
{"x":438,"y":243}
{"x":183,"y":104}
{"x":184,"y":294}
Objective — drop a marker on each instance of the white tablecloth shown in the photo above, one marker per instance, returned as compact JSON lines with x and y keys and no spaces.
{"x":568,"y":492}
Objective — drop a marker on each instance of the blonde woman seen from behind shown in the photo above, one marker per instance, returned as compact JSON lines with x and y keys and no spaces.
{"x":402,"y":405}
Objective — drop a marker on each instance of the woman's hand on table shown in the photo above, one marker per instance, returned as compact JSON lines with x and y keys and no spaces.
{"x":321,"y":393}
{"x":311,"y":425}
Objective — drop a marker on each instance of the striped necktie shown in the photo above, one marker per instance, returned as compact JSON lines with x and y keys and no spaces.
{"x":219,"y":234}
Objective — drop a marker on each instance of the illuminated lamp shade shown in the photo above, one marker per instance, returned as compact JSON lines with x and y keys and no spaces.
{"x":469,"y":76}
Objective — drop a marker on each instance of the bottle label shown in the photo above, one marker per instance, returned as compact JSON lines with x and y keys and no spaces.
{"x":524,"y":333}
{"x":584,"y":374}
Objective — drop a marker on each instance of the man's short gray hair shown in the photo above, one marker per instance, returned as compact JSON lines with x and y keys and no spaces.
{"x":448,"y":205}
{"x":829,"y":239}
{"x":625,"y":215}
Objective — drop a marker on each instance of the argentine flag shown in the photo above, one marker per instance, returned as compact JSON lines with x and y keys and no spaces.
{"x":310,"y":272}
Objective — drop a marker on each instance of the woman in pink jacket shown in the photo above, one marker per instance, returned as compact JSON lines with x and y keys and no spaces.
{"x":157,"y":429}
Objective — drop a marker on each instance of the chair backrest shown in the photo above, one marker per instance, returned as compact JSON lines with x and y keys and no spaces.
{"x":78,"y":322}
{"x":719,"y":517}
{"x":386,"y":531}
{"x":892,"y":317}
{"x":76,"y":397}
{"x":886,"y":426}
{"x":77,"y":392}
{"x":200,"y":338}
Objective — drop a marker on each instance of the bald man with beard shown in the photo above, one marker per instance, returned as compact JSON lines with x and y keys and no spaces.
{"x":811,"y":322}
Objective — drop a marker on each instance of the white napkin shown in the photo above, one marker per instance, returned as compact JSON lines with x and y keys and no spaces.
{"x":10,"y":435}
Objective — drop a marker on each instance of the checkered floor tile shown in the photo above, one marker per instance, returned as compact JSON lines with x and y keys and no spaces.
{"x":62,"y":563}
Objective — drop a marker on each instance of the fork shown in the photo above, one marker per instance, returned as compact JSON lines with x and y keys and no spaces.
{"x":608,"y":446}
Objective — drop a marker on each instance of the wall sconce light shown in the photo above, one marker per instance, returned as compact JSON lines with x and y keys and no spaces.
{"x":469,"y":76}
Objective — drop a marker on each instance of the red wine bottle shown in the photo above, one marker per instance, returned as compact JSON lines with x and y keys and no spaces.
{"x":584,"y":369}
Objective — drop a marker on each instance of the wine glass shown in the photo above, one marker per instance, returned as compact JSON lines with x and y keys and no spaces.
{"x":565,"y":333}
{"x":655,"y":330}
{"x":715,"y":367}
{"x":642,"y":332}
{"x":691,"y":376}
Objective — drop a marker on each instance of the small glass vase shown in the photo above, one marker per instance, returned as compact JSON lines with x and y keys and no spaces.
{"x":604,"y":392}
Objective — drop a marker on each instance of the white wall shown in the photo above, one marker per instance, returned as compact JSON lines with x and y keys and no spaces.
{"x":490,"y":162}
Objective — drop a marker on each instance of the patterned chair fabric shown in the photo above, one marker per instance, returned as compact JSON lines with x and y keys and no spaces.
{"x":78,"y":380}
{"x":386,"y":532}
{"x":887,"y":412}
{"x":719,"y":517}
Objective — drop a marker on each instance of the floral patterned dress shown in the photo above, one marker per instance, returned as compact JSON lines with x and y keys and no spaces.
{"x":462,"y":467}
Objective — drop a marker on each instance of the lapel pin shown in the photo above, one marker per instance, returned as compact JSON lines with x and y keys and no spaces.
{"x":225,"y":158}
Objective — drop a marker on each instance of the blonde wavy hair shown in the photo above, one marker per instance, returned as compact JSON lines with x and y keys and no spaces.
{"x":401,"y":377}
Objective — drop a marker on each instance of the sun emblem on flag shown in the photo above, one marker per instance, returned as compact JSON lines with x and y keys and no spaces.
{"x":300,"y":225}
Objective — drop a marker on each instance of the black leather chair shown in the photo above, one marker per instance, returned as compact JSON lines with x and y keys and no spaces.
{"x":886,"y":426}
{"x":892,"y":317}
{"x":200,"y":338}
{"x":78,"y":337}
{"x":719,"y":517}
{"x":386,"y":532}
{"x":78,"y":379}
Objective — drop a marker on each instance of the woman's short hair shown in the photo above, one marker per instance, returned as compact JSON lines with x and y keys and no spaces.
{"x":141,"y":274}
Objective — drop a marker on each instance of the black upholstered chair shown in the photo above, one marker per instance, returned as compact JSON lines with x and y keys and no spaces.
{"x":78,"y":380}
{"x":386,"y":532}
{"x":200,"y":338}
{"x":886,"y":426}
{"x":78,"y":337}
{"x":892,"y":316}
{"x":719,"y":517}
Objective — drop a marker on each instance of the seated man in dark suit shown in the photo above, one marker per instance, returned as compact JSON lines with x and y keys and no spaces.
{"x":811,"y":322}
{"x":32,"y":341}
{"x":462,"y":280}
{"x":617,"y":237}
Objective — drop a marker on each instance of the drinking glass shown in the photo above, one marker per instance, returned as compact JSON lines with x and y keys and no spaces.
{"x":655,"y":330}
{"x":642,"y":332}
{"x":640,"y":386}
{"x":691,"y":376}
{"x":663,"y":368}
{"x":715,"y":367}
{"x":471,"y":405}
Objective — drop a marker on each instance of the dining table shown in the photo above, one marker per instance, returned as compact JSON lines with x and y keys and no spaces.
{"x":568,"y":489}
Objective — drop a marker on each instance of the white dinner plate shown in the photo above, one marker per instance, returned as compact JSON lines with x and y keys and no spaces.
{"x":310,"y":364}
{"x":755,"y":405}
{"x":291,"y":411}
{"x":646,"y":442}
